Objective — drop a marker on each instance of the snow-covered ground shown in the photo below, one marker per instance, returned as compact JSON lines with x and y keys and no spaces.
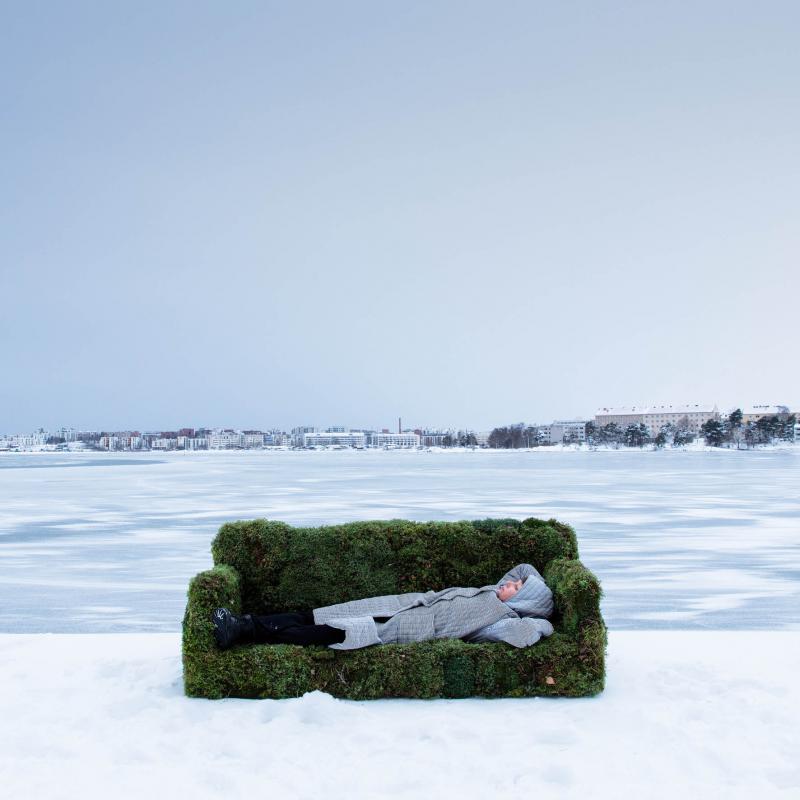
{"x":109,"y":542}
{"x":685,"y":540}
{"x":685,"y":714}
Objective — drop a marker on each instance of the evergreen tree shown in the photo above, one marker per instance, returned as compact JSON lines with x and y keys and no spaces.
{"x":767,"y":428}
{"x":733,"y":428}
{"x":612,"y":434}
{"x":635,"y":435}
{"x":714,"y":432}
{"x":666,"y":435}
{"x":466,"y":439}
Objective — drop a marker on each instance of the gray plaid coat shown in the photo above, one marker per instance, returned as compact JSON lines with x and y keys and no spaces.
{"x":454,"y":613}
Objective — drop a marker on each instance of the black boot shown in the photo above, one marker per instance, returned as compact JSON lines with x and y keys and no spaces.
{"x":230,"y":629}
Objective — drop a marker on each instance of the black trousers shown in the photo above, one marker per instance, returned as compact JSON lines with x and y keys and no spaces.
{"x":295,"y":627}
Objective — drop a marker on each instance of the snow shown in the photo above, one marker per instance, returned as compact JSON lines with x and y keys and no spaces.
{"x":685,"y":713}
{"x":695,"y":551}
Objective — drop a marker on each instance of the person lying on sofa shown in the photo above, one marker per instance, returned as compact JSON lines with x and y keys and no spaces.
{"x":514,"y":611}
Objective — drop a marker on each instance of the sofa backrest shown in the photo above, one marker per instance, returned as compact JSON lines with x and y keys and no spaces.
{"x":285,"y":568}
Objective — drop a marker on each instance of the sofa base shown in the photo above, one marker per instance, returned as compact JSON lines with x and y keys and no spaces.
{"x":557,"y":666}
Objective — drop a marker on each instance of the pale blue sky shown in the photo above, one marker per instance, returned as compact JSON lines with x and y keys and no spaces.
{"x":273,"y":214}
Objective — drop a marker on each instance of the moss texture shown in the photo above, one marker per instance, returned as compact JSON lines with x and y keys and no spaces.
{"x":264,"y":566}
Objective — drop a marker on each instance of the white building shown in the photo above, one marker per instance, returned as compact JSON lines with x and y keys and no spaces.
{"x":192,"y":443}
{"x":394,"y":440}
{"x":253,"y":439}
{"x":122,"y":440}
{"x":568,"y":430}
{"x":543,"y":434}
{"x":337,"y":439}
{"x":22,"y":442}
{"x":299,"y":433}
{"x":225,"y":440}
{"x":437,"y":438}
{"x":163,"y":443}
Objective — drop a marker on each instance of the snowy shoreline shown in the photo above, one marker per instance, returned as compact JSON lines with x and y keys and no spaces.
{"x":695,"y":447}
{"x":703,"y":714}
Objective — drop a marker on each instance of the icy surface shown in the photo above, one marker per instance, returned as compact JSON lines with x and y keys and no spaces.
{"x":685,"y":714}
{"x":108,"y":543}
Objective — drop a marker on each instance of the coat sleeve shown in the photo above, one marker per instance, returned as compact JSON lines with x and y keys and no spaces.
{"x":358,"y":632}
{"x":520,"y":573}
{"x":517,"y":632}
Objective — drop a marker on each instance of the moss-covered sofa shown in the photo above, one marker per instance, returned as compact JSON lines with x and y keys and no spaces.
{"x":263,"y":566}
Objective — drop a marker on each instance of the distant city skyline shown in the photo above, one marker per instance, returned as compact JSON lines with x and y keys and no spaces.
{"x":464,"y":214}
{"x":673,"y":425}
{"x":601,"y":415}
{"x":356,"y":425}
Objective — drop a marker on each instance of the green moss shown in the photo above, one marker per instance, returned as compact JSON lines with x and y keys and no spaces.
{"x":458,"y":675}
{"x":216,"y":587}
{"x":576,"y":593}
{"x":264,"y":566}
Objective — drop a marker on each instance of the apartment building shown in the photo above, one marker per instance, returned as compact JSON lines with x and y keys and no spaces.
{"x":569,"y":430}
{"x":394,"y":439}
{"x":164,"y":443}
{"x":335,"y":439}
{"x":23,"y":442}
{"x":755,"y":413}
{"x":192,"y":443}
{"x":122,"y":441}
{"x":253,"y":439}
{"x":687,"y":417}
{"x":544,"y":434}
{"x":298,"y":434}
{"x":435,"y":438}
{"x":225,"y":440}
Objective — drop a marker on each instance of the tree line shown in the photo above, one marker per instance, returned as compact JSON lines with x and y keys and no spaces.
{"x":731,"y":430}
{"x":460,"y":439}
{"x":514,"y":436}
{"x":727,"y":431}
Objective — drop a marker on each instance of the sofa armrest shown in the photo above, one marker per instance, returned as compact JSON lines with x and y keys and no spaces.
{"x":576,"y":593}
{"x":220,"y":586}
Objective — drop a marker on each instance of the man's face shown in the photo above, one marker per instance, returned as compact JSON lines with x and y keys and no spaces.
{"x":508,"y":590}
